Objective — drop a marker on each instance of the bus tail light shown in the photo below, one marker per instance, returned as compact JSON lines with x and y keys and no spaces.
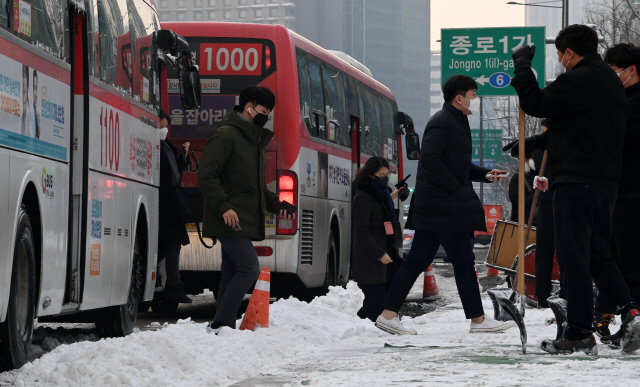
{"x":267,"y":57}
{"x":287,"y":192}
{"x":263,"y":251}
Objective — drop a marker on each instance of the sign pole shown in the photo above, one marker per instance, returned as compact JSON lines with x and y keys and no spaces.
{"x":481,"y":153}
{"x":521,"y":177}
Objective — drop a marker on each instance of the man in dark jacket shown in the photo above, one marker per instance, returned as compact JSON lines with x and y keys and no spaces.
{"x":587,"y":108}
{"x":445,"y":210}
{"x":624,"y":59}
{"x":172,"y":231}
{"x":232,"y":180}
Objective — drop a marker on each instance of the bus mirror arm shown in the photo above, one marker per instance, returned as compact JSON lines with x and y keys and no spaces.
{"x":405,"y":123}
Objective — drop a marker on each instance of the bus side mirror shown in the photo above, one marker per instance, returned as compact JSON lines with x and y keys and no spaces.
{"x":413,"y":146}
{"x":412,"y":139}
{"x":190,"y":88}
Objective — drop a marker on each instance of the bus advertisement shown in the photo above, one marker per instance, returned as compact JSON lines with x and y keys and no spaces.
{"x":79,"y":151}
{"x":330,"y":117}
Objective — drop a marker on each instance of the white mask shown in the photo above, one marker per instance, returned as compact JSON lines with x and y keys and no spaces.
{"x":532,"y":165}
{"x":562,"y":61}
{"x":474,"y":104}
{"x":620,"y":73}
{"x":163,"y":133}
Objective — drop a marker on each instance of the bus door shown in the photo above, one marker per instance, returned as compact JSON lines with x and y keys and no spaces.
{"x":78,"y":159}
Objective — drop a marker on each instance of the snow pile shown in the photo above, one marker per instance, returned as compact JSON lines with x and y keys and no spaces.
{"x":324,"y":344}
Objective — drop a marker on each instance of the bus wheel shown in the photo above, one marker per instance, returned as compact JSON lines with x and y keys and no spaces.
{"x":120,"y":320}
{"x":17,"y":330}
{"x":331,"y":276}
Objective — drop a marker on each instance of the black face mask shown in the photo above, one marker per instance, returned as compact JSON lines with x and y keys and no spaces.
{"x":260,"y":119}
{"x":383,"y":181}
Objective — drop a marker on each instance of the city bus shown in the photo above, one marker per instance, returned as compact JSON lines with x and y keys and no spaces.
{"x":330,"y":116}
{"x":80,"y":91}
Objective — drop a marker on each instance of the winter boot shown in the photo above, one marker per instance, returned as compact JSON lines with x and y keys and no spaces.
{"x":601,"y":323}
{"x":613,"y":340}
{"x":175,"y":293}
{"x":631,"y":331}
{"x":565,"y":346}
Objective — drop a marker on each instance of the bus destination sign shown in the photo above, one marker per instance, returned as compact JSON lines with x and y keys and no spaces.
{"x":485,"y":55}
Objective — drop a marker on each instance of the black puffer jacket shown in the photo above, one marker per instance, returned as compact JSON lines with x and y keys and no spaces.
{"x":172,"y":211}
{"x":370,"y":240}
{"x":444,"y":199}
{"x":587,"y":108}
{"x":630,"y":184}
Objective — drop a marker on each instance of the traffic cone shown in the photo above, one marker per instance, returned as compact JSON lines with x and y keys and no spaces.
{"x":430,"y":289}
{"x":491,"y":272}
{"x":257,"y":314}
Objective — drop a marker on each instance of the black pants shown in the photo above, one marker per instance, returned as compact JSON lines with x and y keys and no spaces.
{"x":459,"y":249}
{"x":545,"y":250}
{"x":625,"y":248}
{"x":171,"y":254}
{"x":374,"y":294}
{"x":582,"y":218}
{"x":240,"y":270}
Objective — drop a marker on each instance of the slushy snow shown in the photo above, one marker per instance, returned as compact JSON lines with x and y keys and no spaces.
{"x":324,"y":343}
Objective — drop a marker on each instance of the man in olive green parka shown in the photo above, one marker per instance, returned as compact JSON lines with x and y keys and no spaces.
{"x":232,"y":180}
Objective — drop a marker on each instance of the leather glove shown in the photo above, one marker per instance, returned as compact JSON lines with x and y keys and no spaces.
{"x":541,"y":183}
{"x":524,"y":54}
{"x":513,"y":146}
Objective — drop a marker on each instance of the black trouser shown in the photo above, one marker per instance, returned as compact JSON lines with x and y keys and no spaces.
{"x":171,"y":254}
{"x":374,"y":294}
{"x":582,"y":219}
{"x":372,"y":304}
{"x":240,"y":270}
{"x":545,"y":251}
{"x":459,"y":249}
{"x":625,"y":248}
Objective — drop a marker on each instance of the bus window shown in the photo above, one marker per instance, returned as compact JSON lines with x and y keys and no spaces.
{"x":351,"y":92}
{"x":370,"y":142}
{"x":4,"y":14}
{"x":317,"y":101}
{"x":116,"y":57}
{"x":388,"y":130}
{"x":337,"y":124}
{"x":305,"y":92}
{"x":142,"y":23}
{"x":43,"y":26}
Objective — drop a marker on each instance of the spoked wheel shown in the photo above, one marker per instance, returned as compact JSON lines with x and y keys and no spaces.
{"x":120,"y":320}
{"x":17,"y":330}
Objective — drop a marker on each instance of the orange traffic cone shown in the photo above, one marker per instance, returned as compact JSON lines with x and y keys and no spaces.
{"x":430,"y":289}
{"x":491,"y":272}
{"x":257,"y":314}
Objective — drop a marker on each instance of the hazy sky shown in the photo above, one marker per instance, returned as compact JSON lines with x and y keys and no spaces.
{"x":473,"y":13}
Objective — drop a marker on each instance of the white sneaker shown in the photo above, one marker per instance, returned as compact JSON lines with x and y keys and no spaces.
{"x":393,"y":326}
{"x":490,"y":325}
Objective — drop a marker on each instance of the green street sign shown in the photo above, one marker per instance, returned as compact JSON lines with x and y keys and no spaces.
{"x":491,"y":147}
{"x":485,"y":55}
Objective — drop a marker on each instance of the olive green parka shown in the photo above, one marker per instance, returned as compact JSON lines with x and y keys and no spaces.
{"x":231,"y":177}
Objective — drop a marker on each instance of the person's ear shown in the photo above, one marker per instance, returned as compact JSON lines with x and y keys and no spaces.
{"x":633,"y":69}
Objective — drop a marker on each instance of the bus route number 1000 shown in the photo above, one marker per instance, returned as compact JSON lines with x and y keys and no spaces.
{"x":231,"y":59}
{"x":109,"y":139}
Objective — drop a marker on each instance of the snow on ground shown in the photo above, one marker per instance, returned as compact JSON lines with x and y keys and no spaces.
{"x":324,"y":344}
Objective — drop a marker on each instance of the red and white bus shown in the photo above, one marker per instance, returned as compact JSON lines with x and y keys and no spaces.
{"x":79,"y":160}
{"x":321,"y":99}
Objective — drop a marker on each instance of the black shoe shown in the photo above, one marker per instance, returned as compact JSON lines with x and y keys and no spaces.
{"x":608,"y":339}
{"x":175,"y":293}
{"x":631,"y":331}
{"x":566,"y":346}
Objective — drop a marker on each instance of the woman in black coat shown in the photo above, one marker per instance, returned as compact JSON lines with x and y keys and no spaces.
{"x":375,"y":255}
{"x":172,"y":232}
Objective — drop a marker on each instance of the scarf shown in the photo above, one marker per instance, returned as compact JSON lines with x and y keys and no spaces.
{"x":385,"y":196}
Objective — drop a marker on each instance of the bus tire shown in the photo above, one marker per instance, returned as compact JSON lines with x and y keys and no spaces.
{"x":120,"y":320}
{"x":331,"y":273}
{"x":17,"y":330}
